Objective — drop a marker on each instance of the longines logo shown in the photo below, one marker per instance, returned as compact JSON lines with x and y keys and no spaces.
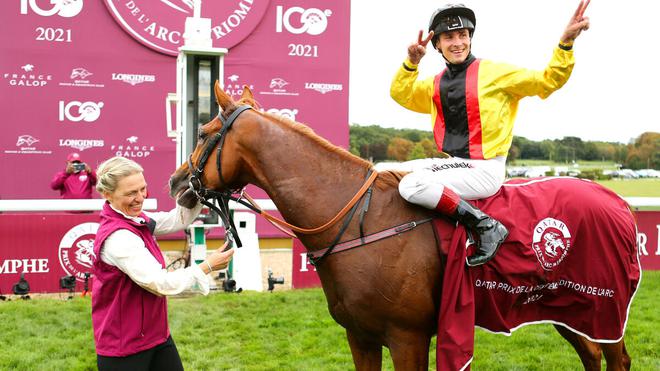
{"x":63,"y":8}
{"x":80,"y":78}
{"x":159,"y":24}
{"x":81,"y":144}
{"x":323,"y":88}
{"x":28,"y":76}
{"x":133,"y":79}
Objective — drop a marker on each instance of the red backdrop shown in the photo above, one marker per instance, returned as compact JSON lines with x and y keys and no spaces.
{"x":86,"y":76}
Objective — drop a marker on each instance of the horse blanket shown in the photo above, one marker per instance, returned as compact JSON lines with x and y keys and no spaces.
{"x":570,"y":259}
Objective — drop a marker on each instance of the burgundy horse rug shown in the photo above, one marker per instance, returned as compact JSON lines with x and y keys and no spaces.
{"x":570,"y":259}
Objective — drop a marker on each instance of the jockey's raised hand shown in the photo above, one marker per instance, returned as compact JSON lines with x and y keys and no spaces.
{"x":417,"y":50}
{"x":577,"y":24}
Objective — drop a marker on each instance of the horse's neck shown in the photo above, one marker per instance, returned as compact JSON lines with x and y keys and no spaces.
{"x":308,"y":182}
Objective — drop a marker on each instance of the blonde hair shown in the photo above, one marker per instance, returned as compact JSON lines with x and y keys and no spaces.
{"x":112,"y":170}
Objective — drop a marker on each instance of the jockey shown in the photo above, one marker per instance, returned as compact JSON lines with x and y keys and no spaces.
{"x":473,"y":104}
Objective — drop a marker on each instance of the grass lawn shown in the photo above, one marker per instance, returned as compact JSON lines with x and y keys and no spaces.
{"x":649,"y":187}
{"x":286,"y":330}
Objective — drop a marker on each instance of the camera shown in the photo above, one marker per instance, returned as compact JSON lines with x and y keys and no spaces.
{"x":272,"y":281}
{"x":68,"y":282}
{"x":78,"y":166}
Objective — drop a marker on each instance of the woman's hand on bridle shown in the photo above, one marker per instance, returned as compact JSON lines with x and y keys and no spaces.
{"x":219,"y":259}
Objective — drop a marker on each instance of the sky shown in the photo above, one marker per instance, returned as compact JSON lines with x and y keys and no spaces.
{"x":610,"y":96}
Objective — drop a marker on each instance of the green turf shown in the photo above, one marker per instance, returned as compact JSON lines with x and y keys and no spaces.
{"x":287,"y":330}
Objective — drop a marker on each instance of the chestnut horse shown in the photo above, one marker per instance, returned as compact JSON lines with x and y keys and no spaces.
{"x":386,"y":293}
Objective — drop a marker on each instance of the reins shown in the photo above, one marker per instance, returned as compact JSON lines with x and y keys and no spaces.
{"x":279,"y":222}
{"x":222,"y":198}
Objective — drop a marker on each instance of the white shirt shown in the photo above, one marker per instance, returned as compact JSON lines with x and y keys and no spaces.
{"x":126,"y":251}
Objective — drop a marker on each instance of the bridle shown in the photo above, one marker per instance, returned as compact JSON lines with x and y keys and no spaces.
{"x":222,"y":198}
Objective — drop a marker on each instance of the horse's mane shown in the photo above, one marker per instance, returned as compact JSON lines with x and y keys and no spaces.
{"x":388,"y":178}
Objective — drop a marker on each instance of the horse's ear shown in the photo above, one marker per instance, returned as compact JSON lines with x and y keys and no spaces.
{"x":223,"y":99}
{"x":247,"y":93}
{"x":247,"y":97}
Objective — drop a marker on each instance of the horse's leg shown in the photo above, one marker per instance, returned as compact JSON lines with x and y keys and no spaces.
{"x":627,"y":361}
{"x":366,"y":356}
{"x":409,"y":350}
{"x":616,"y":356}
{"x":589,"y":352}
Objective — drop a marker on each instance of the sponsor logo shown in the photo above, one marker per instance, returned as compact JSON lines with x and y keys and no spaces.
{"x":323,"y":88}
{"x":160,"y":24}
{"x":551,"y":242}
{"x":276,"y":87}
{"x":133,"y":149}
{"x":27,"y":77}
{"x":297,"y":20}
{"x":26,"y":145}
{"x":81,"y":144}
{"x":27,"y":140}
{"x":234,"y":87}
{"x":62,"y":8}
{"x":132,"y":78}
{"x":79,"y":78}
{"x":284,"y":112}
{"x":76,"y":251}
{"x":76,"y":111}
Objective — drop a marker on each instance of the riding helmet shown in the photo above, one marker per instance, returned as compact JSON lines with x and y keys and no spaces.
{"x":451,"y":17}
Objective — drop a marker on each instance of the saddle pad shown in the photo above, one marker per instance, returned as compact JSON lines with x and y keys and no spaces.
{"x":570,"y":259}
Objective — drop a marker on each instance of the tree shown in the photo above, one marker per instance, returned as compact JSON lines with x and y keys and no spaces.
{"x":399,"y":149}
{"x":417,"y":152}
{"x":643,"y":152}
{"x":430,"y":149}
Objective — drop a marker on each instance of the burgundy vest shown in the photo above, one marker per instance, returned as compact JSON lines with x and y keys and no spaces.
{"x":127,"y":319}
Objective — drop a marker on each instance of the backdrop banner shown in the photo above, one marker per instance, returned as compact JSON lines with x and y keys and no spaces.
{"x":92,"y":77}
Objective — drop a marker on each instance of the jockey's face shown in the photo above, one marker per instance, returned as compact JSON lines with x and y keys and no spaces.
{"x":454,"y":45}
{"x":129,"y":195}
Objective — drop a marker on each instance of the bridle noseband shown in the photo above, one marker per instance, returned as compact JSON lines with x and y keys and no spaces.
{"x":204,"y":194}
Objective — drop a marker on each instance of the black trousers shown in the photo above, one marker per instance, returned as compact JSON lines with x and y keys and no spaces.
{"x":161,"y":357}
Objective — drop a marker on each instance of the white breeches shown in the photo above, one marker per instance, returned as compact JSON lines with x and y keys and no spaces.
{"x":470,"y":179}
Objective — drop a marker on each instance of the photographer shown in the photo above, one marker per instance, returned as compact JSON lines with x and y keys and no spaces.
{"x":76,"y":181}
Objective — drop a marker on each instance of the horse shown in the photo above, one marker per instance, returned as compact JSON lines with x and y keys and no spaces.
{"x":385,"y":294}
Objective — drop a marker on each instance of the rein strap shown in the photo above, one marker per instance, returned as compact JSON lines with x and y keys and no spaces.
{"x":276,"y":221}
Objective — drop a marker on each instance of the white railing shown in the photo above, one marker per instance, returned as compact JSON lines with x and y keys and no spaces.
{"x":152,"y":204}
{"x":94,"y":204}
{"x":642,"y":201}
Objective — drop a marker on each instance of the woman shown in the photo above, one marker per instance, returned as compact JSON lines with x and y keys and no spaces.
{"x":129,"y":308}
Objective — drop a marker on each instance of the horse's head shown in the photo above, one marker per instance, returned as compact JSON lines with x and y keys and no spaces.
{"x":213,"y":141}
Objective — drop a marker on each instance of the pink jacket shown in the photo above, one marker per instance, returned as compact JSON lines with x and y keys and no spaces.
{"x":126,"y":318}
{"x":73,"y":186}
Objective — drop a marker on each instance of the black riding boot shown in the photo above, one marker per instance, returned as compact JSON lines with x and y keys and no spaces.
{"x":491,"y":233}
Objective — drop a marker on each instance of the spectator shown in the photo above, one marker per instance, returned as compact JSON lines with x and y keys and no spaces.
{"x":76,"y":181}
